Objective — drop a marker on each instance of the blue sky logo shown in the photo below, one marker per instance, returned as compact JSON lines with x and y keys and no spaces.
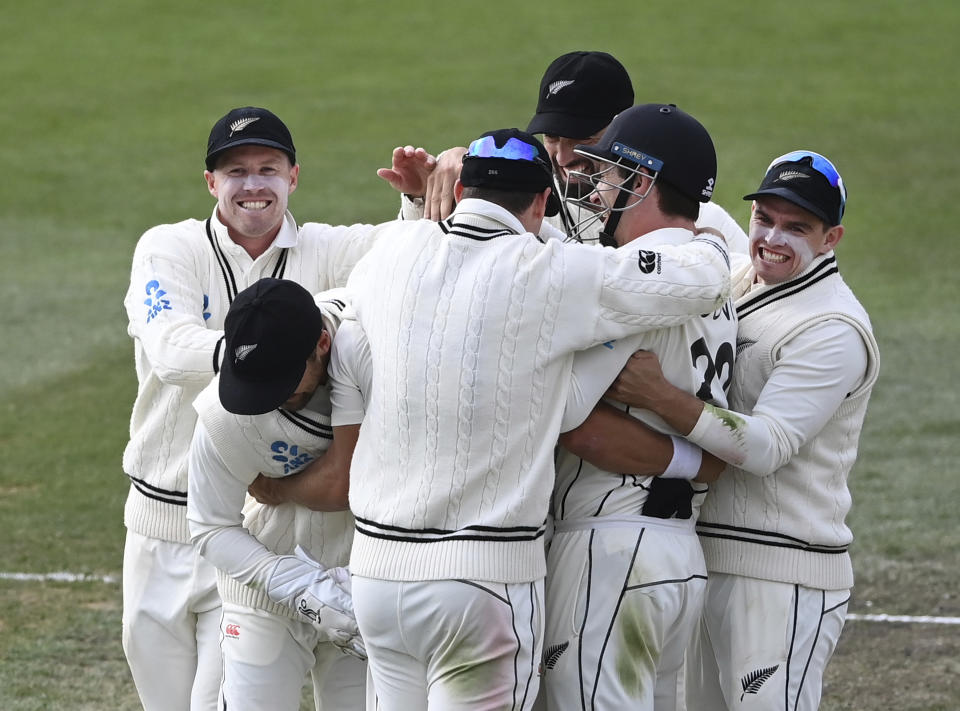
{"x":155,"y":300}
{"x":290,"y":455}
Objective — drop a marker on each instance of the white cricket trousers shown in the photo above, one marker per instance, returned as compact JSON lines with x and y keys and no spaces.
{"x":763,"y":645}
{"x":623,"y":599}
{"x":171,"y":625}
{"x":451,"y":645}
{"x":266,"y":658}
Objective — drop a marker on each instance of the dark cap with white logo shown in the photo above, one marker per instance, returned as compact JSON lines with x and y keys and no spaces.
{"x":270,"y":330}
{"x":806,"y":179}
{"x":580,"y":93}
{"x":249,"y":125}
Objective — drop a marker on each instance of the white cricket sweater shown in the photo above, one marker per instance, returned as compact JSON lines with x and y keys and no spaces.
{"x":472,"y":324}
{"x":696,"y":356}
{"x":183,"y":279}
{"x":239,"y":536}
{"x":806,"y":364}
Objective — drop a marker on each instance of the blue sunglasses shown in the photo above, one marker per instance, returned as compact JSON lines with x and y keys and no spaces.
{"x":513,"y":149}
{"x":821,"y":165}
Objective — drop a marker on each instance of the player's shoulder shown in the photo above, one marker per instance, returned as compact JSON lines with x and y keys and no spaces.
{"x":322,"y":231}
{"x":172,"y":234}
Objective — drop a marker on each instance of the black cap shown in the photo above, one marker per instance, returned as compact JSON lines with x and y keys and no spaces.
{"x":800,"y":182}
{"x":510,"y":159}
{"x":662,"y":138}
{"x":249,"y":124}
{"x":270,"y":330}
{"x":580,"y":93}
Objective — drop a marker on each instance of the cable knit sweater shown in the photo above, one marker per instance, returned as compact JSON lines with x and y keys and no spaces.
{"x":806,"y":365}
{"x":472,"y":325}
{"x":183,"y":279}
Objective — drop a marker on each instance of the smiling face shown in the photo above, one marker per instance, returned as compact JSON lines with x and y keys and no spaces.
{"x":252,"y":185}
{"x":785,"y":239}
{"x":560,"y":150}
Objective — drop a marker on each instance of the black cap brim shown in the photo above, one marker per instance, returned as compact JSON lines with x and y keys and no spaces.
{"x":791,"y":196}
{"x":255,"y":398}
{"x":566,"y":125}
{"x":211,"y":160}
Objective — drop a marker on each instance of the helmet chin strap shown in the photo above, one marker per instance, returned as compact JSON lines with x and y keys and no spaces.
{"x":613,"y":219}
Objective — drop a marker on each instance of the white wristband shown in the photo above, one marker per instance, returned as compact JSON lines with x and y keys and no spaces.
{"x":686,"y":460}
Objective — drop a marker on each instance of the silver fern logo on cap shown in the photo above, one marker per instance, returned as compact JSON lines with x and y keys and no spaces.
{"x":242,"y":352}
{"x":556,"y":86}
{"x":241,"y":124}
{"x":792,"y":175}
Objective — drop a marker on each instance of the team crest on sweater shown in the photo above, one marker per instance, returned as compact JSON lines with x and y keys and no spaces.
{"x":156,"y":300}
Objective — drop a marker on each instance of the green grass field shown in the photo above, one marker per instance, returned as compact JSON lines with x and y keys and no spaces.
{"x":106,"y":112}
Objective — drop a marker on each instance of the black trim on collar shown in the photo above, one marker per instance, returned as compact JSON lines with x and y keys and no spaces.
{"x":780,"y":291}
{"x":229,"y":280}
{"x":311,"y":426}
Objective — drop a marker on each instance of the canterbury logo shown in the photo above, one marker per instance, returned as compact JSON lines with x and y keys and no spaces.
{"x":233,"y":631}
{"x":552,"y":654}
{"x":752,"y":682}
{"x":241,"y":124}
{"x":791,"y":175}
{"x":647,"y":261}
{"x":554,"y":88}
{"x":243,"y":351}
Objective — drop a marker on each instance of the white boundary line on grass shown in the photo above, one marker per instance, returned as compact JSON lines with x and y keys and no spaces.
{"x":60,"y":577}
{"x":922,"y":619}
{"x":65,"y":577}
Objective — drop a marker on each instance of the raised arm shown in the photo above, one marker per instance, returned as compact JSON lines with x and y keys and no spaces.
{"x":409,"y":170}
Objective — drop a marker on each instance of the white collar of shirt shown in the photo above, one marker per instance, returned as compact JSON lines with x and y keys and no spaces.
{"x":286,"y":237}
{"x":473,"y":207}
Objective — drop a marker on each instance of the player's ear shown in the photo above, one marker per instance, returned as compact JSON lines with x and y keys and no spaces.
{"x":324,"y":343}
{"x":294,"y":177}
{"x":211,"y":182}
{"x":834,"y":234}
{"x":457,"y":190}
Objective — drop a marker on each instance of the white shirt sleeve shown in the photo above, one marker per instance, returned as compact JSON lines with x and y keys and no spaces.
{"x":214,"y":513}
{"x":350,"y":374}
{"x":164,"y":305}
{"x":814,"y":373}
{"x":594,"y":370}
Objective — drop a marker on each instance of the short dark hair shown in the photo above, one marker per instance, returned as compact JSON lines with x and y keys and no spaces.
{"x":511,"y":200}
{"x":670,"y":200}
{"x":674,"y":203}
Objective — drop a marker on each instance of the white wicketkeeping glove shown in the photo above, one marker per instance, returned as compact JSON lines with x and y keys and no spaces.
{"x":320,"y":596}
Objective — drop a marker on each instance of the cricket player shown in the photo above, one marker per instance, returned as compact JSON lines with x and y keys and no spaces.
{"x":579,"y":95}
{"x":472,"y":323}
{"x":625,"y":572}
{"x":773,"y":527}
{"x":183,"y":278}
{"x":268,"y":412}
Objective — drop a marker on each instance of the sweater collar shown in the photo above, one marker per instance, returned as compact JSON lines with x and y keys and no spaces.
{"x":472,"y":212}
{"x":753,"y":296}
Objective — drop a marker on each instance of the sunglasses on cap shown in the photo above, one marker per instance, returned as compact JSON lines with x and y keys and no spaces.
{"x":513,"y":149}
{"x":821,"y":165}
